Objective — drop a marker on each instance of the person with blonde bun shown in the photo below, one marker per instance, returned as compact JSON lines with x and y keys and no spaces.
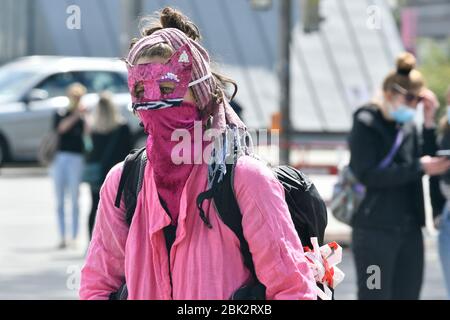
{"x":389,"y":156}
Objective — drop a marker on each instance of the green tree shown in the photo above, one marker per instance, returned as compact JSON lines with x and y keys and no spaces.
{"x":435,"y":67}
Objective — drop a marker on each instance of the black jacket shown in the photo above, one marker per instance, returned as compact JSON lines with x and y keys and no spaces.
{"x":110,"y":148}
{"x":72,"y":140}
{"x":394,"y":195}
{"x":444,"y":144}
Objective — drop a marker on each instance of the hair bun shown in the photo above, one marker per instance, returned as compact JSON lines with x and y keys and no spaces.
{"x":405,"y":63}
{"x":172,"y":18}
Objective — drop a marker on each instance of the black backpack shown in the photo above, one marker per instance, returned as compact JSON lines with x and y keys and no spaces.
{"x":308,"y":210}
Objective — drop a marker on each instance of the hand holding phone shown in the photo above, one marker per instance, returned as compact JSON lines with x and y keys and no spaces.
{"x":443,"y":153}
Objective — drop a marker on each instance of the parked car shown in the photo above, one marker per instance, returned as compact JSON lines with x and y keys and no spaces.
{"x":33,"y":88}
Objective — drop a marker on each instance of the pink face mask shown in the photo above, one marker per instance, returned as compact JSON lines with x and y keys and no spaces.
{"x":162,"y":85}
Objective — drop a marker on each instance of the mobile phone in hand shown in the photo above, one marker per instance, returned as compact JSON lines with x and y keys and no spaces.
{"x":443,"y":153}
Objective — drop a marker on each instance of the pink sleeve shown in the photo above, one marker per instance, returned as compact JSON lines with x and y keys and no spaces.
{"x":103,"y":272}
{"x":276,"y":250}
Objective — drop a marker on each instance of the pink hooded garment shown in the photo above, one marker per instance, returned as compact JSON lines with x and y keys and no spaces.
{"x":203,"y":263}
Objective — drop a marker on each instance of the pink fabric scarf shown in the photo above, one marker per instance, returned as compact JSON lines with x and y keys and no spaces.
{"x":170,"y":177}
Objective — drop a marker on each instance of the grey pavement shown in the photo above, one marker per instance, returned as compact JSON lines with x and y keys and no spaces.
{"x":32,"y":268}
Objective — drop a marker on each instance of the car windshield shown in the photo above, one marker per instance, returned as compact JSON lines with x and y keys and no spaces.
{"x":13,"y":81}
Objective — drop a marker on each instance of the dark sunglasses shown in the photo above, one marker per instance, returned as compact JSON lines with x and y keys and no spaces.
{"x":409,"y":97}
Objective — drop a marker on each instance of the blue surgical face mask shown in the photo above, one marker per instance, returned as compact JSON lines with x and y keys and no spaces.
{"x":403,"y":114}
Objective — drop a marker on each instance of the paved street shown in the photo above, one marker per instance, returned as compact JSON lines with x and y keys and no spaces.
{"x":32,"y":268}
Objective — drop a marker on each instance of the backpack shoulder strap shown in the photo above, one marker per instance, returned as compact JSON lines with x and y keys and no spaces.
{"x":229,"y":212}
{"x":131,"y":181}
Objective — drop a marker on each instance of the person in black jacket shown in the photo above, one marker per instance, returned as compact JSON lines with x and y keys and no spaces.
{"x":387,"y":238}
{"x":442,"y":222}
{"x":67,"y":166}
{"x":111,"y":142}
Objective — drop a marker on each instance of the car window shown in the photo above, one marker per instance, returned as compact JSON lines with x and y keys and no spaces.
{"x":56,"y":85}
{"x":98,"y":81}
{"x":13,"y":81}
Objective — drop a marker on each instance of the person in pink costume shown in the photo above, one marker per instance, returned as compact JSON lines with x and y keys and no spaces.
{"x":173,"y":88}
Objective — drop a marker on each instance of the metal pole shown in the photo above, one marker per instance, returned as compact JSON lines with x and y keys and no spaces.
{"x":125,"y":26}
{"x":138,"y":8}
{"x":130,"y":11}
{"x":284,"y":79}
{"x":31,"y":27}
